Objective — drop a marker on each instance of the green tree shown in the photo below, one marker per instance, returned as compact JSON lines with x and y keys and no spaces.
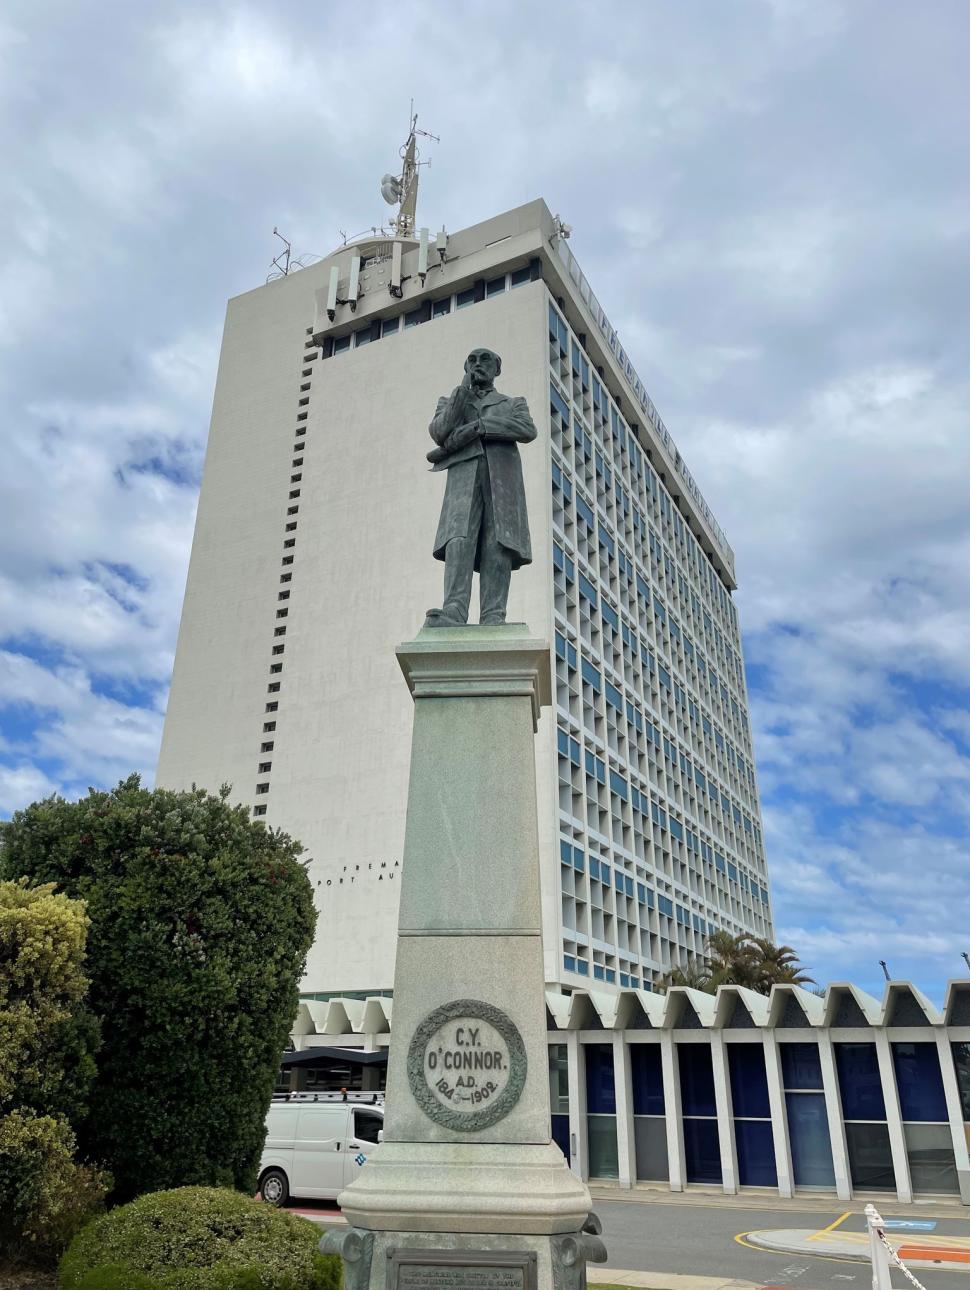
{"x":47,"y":1036}
{"x":732,"y":960}
{"x":778,"y":964}
{"x":694,"y":974}
{"x":46,"y":1069}
{"x":201,"y":920}
{"x":750,"y":961}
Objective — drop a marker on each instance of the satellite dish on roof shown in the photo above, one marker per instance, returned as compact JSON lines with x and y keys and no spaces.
{"x":391,"y":189}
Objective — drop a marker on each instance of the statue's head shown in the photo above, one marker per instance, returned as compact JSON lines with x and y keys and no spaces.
{"x":482,"y":366}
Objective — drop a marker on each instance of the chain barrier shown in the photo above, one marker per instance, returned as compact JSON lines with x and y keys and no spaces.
{"x":876,"y":1228}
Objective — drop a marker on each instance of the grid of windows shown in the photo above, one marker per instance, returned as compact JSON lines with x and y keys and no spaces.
{"x":660,"y":833}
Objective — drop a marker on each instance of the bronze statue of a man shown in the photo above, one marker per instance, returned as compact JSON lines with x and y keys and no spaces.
{"x":484,"y":526}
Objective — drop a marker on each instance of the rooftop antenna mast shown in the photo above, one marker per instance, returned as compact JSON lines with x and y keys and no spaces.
{"x":281,"y":262}
{"x":402,"y":190}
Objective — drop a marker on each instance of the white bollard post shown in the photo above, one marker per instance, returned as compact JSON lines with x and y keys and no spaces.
{"x":881,"y":1277}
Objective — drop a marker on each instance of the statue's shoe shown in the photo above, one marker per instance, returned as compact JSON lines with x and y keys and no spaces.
{"x":438,"y":618}
{"x":493,"y":620}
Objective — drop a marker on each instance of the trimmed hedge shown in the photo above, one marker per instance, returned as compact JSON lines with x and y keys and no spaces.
{"x":198,"y":1238}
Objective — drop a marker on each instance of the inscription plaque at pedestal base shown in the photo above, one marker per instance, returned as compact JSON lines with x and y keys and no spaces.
{"x":460,"y":1270}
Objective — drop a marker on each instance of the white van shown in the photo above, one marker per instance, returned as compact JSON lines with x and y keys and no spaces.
{"x":317,"y":1143}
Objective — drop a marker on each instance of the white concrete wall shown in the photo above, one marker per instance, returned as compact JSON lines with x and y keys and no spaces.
{"x":363,"y":578}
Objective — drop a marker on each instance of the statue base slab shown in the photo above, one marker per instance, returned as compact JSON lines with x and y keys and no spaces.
{"x":467,"y":1187}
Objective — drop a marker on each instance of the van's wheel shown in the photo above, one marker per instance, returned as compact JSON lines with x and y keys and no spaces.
{"x":274,"y":1187}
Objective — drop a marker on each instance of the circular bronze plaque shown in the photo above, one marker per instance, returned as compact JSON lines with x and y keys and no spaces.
{"x":467,"y":1065}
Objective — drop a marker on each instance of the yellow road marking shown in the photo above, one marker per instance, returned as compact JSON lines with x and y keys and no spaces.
{"x":829,"y":1258}
{"x":747,"y":1244}
{"x":816,"y":1236}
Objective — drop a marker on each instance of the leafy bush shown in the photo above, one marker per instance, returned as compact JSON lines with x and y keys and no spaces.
{"x":45,"y":1195}
{"x":46,"y":1067}
{"x":198,"y":1238}
{"x":201,"y":919}
{"x":47,"y":1037}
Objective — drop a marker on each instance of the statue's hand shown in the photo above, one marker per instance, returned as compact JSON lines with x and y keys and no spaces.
{"x":461,"y":436}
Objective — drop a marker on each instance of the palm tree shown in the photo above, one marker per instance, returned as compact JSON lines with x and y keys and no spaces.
{"x":778,"y":964}
{"x":732,"y":960}
{"x":750,"y":961}
{"x":693,"y":974}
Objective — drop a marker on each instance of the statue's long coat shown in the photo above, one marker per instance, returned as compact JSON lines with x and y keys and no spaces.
{"x":506,"y":421}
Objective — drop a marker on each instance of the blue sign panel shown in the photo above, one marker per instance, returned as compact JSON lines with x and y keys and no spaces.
{"x":909,"y":1224}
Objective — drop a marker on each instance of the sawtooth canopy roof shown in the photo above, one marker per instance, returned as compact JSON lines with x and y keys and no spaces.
{"x":843,"y":1006}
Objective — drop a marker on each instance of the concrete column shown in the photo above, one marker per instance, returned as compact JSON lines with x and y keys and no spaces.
{"x":725,"y":1114}
{"x":779,"y":1114}
{"x":674,"y":1115}
{"x":833,"y":1111}
{"x":576,"y":1078}
{"x":894,"y":1119}
{"x":626,"y":1149}
{"x":954,"y":1111}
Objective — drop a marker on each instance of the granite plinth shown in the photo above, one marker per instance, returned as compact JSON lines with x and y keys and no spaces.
{"x":467,"y":1162}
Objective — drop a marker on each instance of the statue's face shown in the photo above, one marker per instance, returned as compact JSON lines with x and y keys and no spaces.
{"x":483,"y":366}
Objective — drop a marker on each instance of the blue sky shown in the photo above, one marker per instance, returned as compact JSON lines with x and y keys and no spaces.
{"x":771,"y":201}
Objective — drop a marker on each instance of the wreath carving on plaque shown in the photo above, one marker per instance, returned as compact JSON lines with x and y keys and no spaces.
{"x":467,"y":1065}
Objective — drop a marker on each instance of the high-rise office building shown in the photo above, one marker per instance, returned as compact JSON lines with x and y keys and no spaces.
{"x":312,"y":560}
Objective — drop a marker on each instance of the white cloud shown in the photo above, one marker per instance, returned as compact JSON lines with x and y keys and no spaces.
{"x":20,"y":785}
{"x":764,"y":198}
{"x":89,"y":738}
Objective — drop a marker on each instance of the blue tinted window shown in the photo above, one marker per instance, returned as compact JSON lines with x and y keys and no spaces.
{"x":800,"y":1066}
{"x":696,"y":1079}
{"x":961,"y":1063}
{"x":590,"y":673}
{"x":558,"y":402}
{"x":920,"y":1084}
{"x":859,"y":1085}
{"x":702,"y":1153}
{"x":808,"y":1132}
{"x":756,"y":1153}
{"x":749,"y":1083}
{"x":647,"y":1078}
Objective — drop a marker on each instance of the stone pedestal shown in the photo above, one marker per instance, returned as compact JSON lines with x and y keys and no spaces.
{"x":467,"y":1188}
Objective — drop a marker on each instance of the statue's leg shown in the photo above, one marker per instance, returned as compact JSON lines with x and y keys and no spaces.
{"x":495,"y":566}
{"x":460,"y":559}
{"x":459,"y":567}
